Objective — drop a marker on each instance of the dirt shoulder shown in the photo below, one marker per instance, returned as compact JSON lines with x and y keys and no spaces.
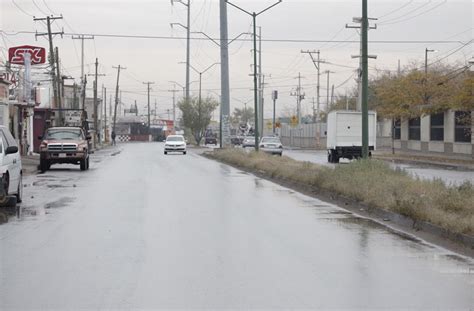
{"x":406,"y":223}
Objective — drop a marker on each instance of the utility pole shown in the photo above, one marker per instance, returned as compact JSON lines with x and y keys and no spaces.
{"x":358,"y":20}
{"x":83,"y":93}
{"x":260,"y":85}
{"x":317,"y":63}
{"x":58,"y":81}
{"x":254,"y":21}
{"x":83,"y":82}
{"x":327,"y":88}
{"x":96,"y":104}
{"x":106,"y":136}
{"x":74,"y":105}
{"x":225,"y":83}
{"x":116,"y":97}
{"x":364,"y":73}
{"x":174,"y":91}
{"x":188,"y":42}
{"x":332,"y":97}
{"x":274,"y":97}
{"x":426,"y":75}
{"x":148,"y":88}
{"x":49,"y":20}
{"x":299,"y":97}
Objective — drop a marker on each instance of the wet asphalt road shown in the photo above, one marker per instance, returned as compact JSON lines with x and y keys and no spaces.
{"x":142,"y":230}
{"x":449,"y":175}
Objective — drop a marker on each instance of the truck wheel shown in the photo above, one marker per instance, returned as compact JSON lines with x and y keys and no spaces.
{"x":184,"y":152}
{"x":166,"y":152}
{"x":336,"y":158}
{"x":44,"y":165}
{"x":83,"y":165}
{"x":330,"y":157}
{"x":87,"y":163}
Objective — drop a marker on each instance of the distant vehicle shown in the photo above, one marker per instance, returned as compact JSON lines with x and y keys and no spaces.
{"x":249,"y":141}
{"x":175,"y":143}
{"x":210,"y":140}
{"x":271,"y":144}
{"x":236,"y":140}
{"x":10,"y":167}
{"x":344,"y":134}
{"x":64,"y":145}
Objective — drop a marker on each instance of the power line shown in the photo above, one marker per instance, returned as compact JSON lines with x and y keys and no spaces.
{"x":47,"y":6}
{"x":412,"y":17}
{"x":37,"y":6}
{"x":19,"y":8}
{"x":409,"y":12}
{"x":396,"y":10}
{"x":105,"y":35}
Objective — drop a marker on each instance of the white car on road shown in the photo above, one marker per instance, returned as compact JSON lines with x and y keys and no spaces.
{"x":271,"y":144}
{"x":175,"y":143}
{"x":10,"y":165}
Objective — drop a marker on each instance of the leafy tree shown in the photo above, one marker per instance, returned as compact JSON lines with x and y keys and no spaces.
{"x":197,"y":115}
{"x":342,"y":102}
{"x":243,"y":115}
{"x":413,"y":93}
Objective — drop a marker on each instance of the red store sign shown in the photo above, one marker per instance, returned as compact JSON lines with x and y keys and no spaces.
{"x":38,"y":54}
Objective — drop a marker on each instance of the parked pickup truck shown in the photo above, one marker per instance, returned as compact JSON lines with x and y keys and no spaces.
{"x":64,"y":145}
{"x":344,"y":134}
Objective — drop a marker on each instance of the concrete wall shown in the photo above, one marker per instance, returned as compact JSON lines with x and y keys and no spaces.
{"x":448,"y":146}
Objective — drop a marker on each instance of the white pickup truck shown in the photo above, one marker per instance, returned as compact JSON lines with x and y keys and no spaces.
{"x":344,"y":134}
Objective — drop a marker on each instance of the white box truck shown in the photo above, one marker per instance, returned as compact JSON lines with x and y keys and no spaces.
{"x":344,"y":134}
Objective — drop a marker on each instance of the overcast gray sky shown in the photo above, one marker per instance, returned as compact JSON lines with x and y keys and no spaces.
{"x":294,"y":22}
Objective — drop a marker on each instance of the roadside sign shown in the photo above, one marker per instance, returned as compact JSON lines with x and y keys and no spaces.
{"x":294,"y":121}
{"x":16,"y":54}
{"x":269,"y":125}
{"x":73,"y":118}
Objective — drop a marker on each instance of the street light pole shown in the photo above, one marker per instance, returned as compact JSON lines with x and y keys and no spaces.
{"x":254,"y":20}
{"x":188,"y":42}
{"x":426,"y":60}
{"x":200,"y":85}
{"x":426,"y":75}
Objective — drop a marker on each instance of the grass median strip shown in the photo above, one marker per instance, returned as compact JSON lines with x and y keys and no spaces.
{"x":373,"y":183}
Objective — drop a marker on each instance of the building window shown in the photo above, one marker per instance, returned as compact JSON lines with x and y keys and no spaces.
{"x":437,"y":127}
{"x":462,"y":126}
{"x":397,"y":128}
{"x":414,"y":129}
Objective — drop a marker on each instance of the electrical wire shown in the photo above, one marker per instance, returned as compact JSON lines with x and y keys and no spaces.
{"x":47,"y":6}
{"x":37,"y":6}
{"x":410,"y":12}
{"x":415,"y":16}
{"x":451,"y":53}
{"x":124,"y":36}
{"x":396,"y":10}
{"x":19,"y":8}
